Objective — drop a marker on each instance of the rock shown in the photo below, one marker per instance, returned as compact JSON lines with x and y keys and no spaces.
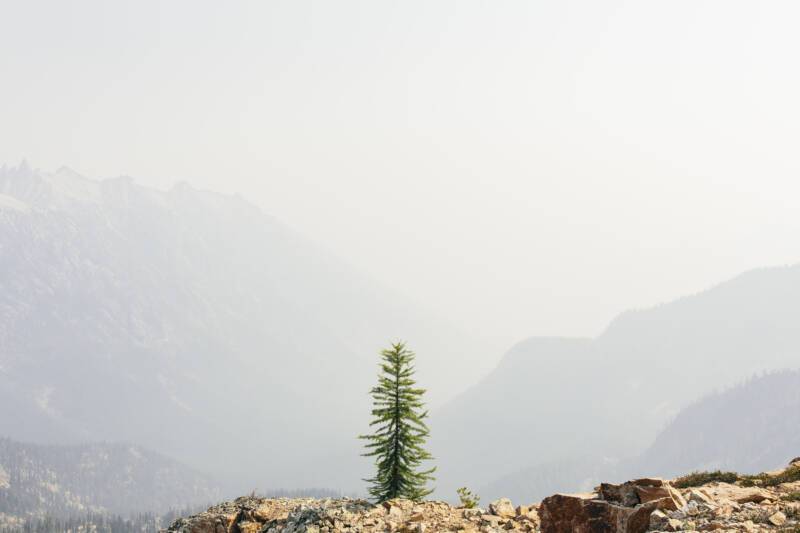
{"x":491,"y":519}
{"x":696,"y":495}
{"x":718,"y":491}
{"x":673,"y":524}
{"x":669,"y":497}
{"x":208,"y":523}
{"x":528,"y":512}
{"x":249,"y":527}
{"x":502,"y":507}
{"x":624,"y":494}
{"x":637,"y":506}
{"x":562,"y":513}
{"x":393,"y":509}
{"x":777,"y":519}
{"x":270,"y":510}
{"x":645,"y":490}
{"x":725,"y":509}
{"x":618,"y":508}
{"x":306,"y":515}
{"x":658,"y":520}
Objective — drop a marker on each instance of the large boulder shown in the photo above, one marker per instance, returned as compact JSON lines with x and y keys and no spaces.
{"x":502,"y":507}
{"x":624,"y":508}
{"x":643,"y":490}
{"x":564,"y":513}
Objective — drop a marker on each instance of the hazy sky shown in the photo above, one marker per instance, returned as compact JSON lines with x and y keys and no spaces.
{"x":528,"y":168}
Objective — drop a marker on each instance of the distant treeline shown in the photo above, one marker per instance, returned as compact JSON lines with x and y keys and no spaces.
{"x":96,"y":522}
{"x":93,"y":522}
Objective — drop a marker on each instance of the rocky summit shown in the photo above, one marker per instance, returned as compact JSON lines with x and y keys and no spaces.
{"x":768,"y":502}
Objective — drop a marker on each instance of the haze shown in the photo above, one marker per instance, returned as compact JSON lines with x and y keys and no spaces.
{"x":522,"y":168}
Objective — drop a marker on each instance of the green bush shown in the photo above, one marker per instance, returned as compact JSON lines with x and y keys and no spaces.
{"x":771,"y":480}
{"x":696,"y":479}
{"x":468,"y":499}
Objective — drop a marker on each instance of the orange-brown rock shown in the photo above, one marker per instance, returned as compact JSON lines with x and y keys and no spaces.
{"x":644,"y":490}
{"x":563,"y":513}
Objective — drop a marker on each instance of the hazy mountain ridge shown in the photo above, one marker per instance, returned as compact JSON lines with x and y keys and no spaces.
{"x":749,"y":428}
{"x":125,"y":311}
{"x":45,"y":480}
{"x":603,"y":401}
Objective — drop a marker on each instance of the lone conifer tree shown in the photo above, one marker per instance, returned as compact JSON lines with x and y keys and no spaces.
{"x":397,"y":443}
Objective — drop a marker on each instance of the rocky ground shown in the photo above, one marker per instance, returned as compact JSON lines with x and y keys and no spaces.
{"x":253,"y":515}
{"x":637,"y":506}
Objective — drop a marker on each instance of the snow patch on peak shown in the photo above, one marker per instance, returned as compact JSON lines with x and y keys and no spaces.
{"x":69,"y":185}
{"x":12,"y":204}
{"x":24,"y":188}
{"x":38,"y":189}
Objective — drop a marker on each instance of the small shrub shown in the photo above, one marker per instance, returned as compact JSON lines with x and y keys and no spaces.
{"x":787,"y":476}
{"x":468,"y":499}
{"x":791,"y":497}
{"x":792,"y":513}
{"x":771,"y":480}
{"x":696,"y":479}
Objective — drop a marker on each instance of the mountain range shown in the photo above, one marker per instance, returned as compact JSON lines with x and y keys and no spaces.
{"x":556,"y":405}
{"x":194,"y":324}
{"x":751,"y":427}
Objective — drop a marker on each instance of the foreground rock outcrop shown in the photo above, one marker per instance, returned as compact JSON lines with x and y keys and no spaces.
{"x":770,"y":502}
{"x":622,"y":508}
{"x":253,"y":515}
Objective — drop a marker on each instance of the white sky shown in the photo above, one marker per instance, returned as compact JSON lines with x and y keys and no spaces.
{"x":527,"y":168}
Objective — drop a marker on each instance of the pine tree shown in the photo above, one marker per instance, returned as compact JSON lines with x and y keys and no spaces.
{"x":397,"y":444}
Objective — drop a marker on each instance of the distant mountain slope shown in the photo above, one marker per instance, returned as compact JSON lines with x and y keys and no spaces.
{"x":195,"y":324}
{"x":572,"y":475}
{"x":38,"y":480}
{"x":559,"y":401}
{"x":750,"y":428}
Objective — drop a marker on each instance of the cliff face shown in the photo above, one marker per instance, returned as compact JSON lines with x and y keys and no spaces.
{"x":768,"y":502}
